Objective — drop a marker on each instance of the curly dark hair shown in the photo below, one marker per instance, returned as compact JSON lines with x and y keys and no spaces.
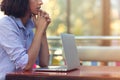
{"x":16,"y":8}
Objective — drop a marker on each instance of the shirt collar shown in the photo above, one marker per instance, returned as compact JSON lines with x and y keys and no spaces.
{"x":18,"y":21}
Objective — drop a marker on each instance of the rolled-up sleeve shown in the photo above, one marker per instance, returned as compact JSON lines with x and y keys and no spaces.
{"x":13,"y":45}
{"x":21,"y":63}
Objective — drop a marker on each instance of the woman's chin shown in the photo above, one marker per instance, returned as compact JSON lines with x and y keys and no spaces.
{"x":35,"y":13}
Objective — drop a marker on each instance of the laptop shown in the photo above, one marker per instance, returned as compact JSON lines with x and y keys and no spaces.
{"x":70,"y":54}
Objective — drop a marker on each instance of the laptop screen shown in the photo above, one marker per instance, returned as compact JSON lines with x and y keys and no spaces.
{"x":70,"y":50}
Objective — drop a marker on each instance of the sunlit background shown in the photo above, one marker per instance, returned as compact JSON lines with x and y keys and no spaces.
{"x":84,"y":18}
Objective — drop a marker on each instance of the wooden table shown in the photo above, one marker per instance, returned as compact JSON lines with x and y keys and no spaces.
{"x":83,"y":73}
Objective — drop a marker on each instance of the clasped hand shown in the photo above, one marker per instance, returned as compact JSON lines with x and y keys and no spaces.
{"x":42,"y":20}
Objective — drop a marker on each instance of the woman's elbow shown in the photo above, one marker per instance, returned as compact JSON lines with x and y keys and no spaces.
{"x":43,"y":64}
{"x":28,"y":68}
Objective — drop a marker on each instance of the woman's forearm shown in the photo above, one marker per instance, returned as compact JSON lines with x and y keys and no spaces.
{"x":44,"y":52}
{"x":39,"y":43}
{"x":34,"y":49}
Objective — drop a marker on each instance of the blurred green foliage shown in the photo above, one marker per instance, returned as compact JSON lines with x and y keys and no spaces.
{"x":85,"y":17}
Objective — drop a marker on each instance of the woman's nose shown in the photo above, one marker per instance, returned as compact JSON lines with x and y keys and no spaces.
{"x":40,"y":2}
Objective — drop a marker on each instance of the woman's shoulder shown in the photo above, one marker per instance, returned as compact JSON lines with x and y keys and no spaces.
{"x":5,"y":20}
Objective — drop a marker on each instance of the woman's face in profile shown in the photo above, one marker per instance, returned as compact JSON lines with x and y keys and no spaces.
{"x":35,"y":6}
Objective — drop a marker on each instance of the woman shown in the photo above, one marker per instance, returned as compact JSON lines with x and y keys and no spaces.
{"x":18,"y":47}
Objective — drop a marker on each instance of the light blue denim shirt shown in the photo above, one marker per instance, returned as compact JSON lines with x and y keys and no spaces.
{"x":15,"y":39}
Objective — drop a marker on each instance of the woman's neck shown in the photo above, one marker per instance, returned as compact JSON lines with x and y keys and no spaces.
{"x":25,"y":19}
